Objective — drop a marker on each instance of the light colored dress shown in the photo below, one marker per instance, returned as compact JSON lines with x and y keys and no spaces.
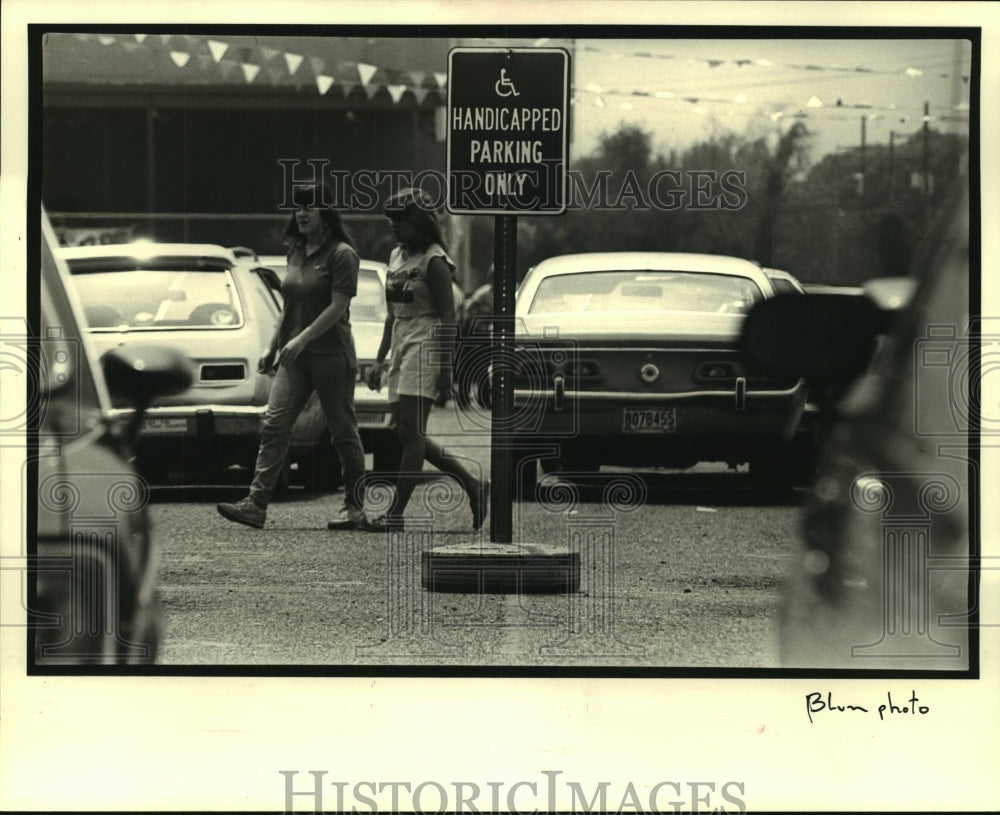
{"x":415,"y":363}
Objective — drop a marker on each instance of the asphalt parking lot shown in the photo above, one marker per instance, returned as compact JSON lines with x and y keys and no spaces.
{"x":686,"y":571}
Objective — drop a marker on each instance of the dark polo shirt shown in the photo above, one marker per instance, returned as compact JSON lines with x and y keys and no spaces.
{"x":308,"y":286}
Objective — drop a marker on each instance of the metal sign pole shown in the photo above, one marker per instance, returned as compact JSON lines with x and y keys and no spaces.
{"x":502,"y":454}
{"x":507,"y":124}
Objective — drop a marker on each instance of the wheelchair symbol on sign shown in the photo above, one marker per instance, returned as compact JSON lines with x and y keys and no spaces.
{"x":506,"y":84}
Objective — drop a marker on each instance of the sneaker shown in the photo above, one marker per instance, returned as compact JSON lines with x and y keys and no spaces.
{"x":247,"y":512}
{"x":348,"y":517}
{"x":384,"y":524}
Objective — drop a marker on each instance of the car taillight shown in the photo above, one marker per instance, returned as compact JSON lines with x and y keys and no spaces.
{"x":716,"y":370}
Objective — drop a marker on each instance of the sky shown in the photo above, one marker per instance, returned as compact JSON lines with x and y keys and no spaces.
{"x":683,"y":91}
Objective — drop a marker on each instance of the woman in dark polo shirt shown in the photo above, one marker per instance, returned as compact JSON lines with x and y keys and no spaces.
{"x":312,"y":349}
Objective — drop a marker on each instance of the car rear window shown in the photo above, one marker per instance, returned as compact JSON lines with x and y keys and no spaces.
{"x":645,"y":291}
{"x":159,"y":299}
{"x":783,"y":286}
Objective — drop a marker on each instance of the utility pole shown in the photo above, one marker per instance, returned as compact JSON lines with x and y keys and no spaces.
{"x":926,"y":162}
{"x":892,"y":144}
{"x":864,"y":179}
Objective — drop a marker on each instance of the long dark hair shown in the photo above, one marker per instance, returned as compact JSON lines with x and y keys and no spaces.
{"x":416,"y":206}
{"x":315,"y":195}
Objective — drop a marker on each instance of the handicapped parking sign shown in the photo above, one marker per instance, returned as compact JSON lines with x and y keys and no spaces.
{"x":508,"y":130}
{"x":504,"y":86}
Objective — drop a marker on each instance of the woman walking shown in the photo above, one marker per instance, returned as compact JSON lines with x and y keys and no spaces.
{"x":312,"y":349}
{"x":420,"y":331}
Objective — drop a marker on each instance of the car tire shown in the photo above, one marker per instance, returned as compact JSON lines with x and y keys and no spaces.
{"x":772,"y":474}
{"x":319,"y":468}
{"x":387,"y":453}
{"x":154,"y":469}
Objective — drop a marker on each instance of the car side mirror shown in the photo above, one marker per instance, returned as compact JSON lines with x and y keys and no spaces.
{"x":828,"y":339}
{"x":141,"y":373}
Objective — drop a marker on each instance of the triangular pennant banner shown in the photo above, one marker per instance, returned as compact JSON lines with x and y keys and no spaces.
{"x":441,"y":79}
{"x":420,"y":94}
{"x":417,"y":78}
{"x":396,"y":92}
{"x":318,"y":65}
{"x":366,"y":72}
{"x":106,"y":39}
{"x":180,"y":58}
{"x":273,"y":74}
{"x":324,"y":83}
{"x":814,"y":102}
{"x":293,"y":61}
{"x":371,"y":90}
{"x":165,"y":38}
{"x":218,"y":49}
{"x":140,"y":38}
{"x":268,"y":53}
{"x":250,"y":71}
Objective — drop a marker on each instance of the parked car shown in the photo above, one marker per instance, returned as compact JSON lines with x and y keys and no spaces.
{"x":882,"y":577}
{"x":95,"y":559}
{"x":218,"y":310}
{"x":221,"y":311}
{"x":632,"y":358}
{"x":829,"y":288}
{"x":784,"y":282}
{"x":277,"y":263}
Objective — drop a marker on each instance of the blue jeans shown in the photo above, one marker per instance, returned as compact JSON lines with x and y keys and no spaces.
{"x":333,"y":380}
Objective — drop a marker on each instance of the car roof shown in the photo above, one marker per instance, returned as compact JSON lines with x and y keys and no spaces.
{"x":829,"y":288}
{"x":279,"y":260}
{"x":667,"y":261}
{"x":147,"y":250}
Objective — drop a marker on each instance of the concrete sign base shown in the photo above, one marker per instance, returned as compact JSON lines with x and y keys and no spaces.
{"x":501,"y":568}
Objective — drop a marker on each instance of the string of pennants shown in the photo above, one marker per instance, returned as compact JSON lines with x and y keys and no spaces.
{"x":746,"y":62}
{"x":263,"y":64}
{"x":813,"y":107}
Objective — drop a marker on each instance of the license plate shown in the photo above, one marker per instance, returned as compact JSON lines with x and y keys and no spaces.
{"x":649,"y":420}
{"x":164,"y":425}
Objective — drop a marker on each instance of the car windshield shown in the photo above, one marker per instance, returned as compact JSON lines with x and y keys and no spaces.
{"x":644,"y":291}
{"x":369,"y":304}
{"x":159,"y":298}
